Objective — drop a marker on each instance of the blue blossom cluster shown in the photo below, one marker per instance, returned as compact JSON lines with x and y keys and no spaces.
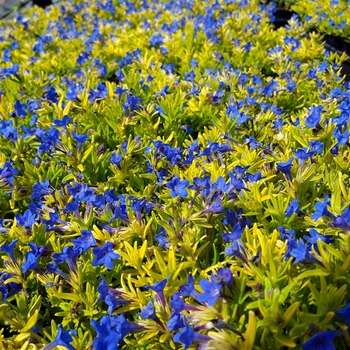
{"x":330,"y":17}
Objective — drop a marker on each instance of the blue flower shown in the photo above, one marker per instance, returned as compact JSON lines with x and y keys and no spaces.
{"x":110,"y":331}
{"x":175,"y":322}
{"x":188,"y":289}
{"x":215,"y":207}
{"x":20,"y":109}
{"x":86,"y":194}
{"x":212,"y":292}
{"x":62,"y":122}
{"x":190,"y":76}
{"x":315,"y":236}
{"x":63,"y":338}
{"x":235,"y":184}
{"x":159,"y":286}
{"x":132,"y":103}
{"x":342,"y":138}
{"x":254,"y":177}
{"x":27,"y":220}
{"x":31,"y":258}
{"x":6,"y":55}
{"x":238,"y":250}
{"x":278,"y":124}
{"x":162,"y":238}
{"x":187,"y":336}
{"x":292,"y":41}
{"x":302,"y":155}
{"x":83,"y":57}
{"x":235,"y":235}
{"x":314,"y":117}
{"x":113,"y":302}
{"x":224,"y":277}
{"x":101,"y":69}
{"x":105,"y":256}
{"x":253,"y":143}
{"x":177,"y":303}
{"x":138,"y":205}
{"x":72,"y":207}
{"x":343,"y":220}
{"x":156,"y":39}
{"x":8,"y":130}
{"x":8,"y":172}
{"x":69,"y":255}
{"x":100,"y":92}
{"x":103,"y":289}
{"x":31,"y":262}
{"x":72,"y":92}
{"x":8,"y":289}
{"x":345,"y":314}
{"x":80,"y":138}
{"x":177,"y":187}
{"x":84,"y":242}
{"x":159,"y":289}
{"x":52,"y":95}
{"x":116,"y":158}
{"x":8,"y":249}
{"x":286,"y":168}
{"x":321,"y":209}
{"x":41,"y":189}
{"x":292,"y":208}
{"x":300,"y":251}
{"x":220,"y":185}
{"x":2,"y":228}
{"x":201,"y":186}
{"x":159,"y":110}
{"x":149,"y":312}
{"x":320,"y":341}
{"x":109,"y":343}
{"x":120,"y":213}
{"x":270,"y":88}
{"x":234,"y":217}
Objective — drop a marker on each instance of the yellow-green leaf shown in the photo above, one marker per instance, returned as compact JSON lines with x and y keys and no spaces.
{"x":312,"y":273}
{"x":31,"y":322}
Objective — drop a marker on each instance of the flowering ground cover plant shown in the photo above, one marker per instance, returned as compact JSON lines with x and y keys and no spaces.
{"x":174,"y":175}
{"x":328,"y":17}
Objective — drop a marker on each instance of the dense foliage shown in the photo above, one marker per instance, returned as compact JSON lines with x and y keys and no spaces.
{"x":173,"y":175}
{"x":327,"y":16}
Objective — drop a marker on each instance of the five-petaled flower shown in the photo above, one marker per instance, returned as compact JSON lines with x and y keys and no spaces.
{"x":177,"y":187}
{"x":63,"y":338}
{"x":105,"y":256}
{"x":211,"y":292}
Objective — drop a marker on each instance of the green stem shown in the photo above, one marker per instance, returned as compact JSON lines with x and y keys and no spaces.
{"x":209,"y":239}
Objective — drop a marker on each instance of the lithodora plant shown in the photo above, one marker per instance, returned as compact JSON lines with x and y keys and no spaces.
{"x":328,"y":17}
{"x":173,"y":175}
